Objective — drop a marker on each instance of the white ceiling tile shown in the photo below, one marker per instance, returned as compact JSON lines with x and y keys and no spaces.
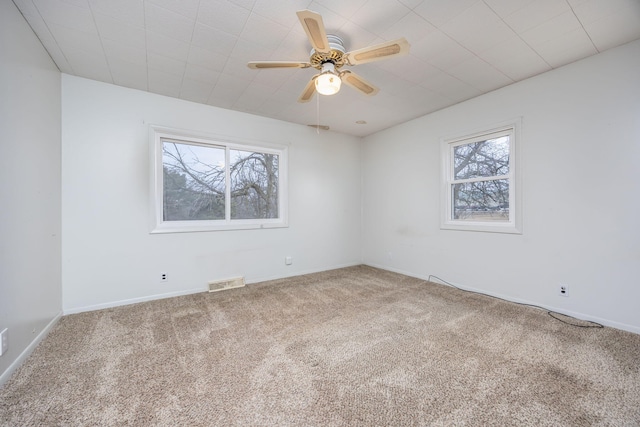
{"x":284,"y":96}
{"x":297,"y":82}
{"x":477,"y":28}
{"x":451,"y":87}
{"x":616,"y":29}
{"x":164,"y":83}
{"x":282,"y":12}
{"x":128,"y":74}
{"x":246,"y":4}
{"x":411,"y":4}
{"x":294,"y":47}
{"x":440,"y":50}
{"x":480,"y":75}
{"x":201,"y":74}
{"x":275,"y":77}
{"x":344,"y":8}
{"x":245,"y":51}
{"x":254,"y":96}
{"x":370,"y":18}
{"x":206,"y":58}
{"x":124,"y":52}
{"x":593,"y":10}
{"x":412,"y":27}
{"x":441,"y":12}
{"x":79,"y":3}
{"x":514,"y":58}
{"x":409,"y":67}
{"x":240,"y":70}
{"x":504,"y":8}
{"x":128,"y":11}
{"x":187,"y":8}
{"x":74,"y":39}
{"x":212,"y":39}
{"x":575,"y":3}
{"x":167,"y":46}
{"x":227,"y":90}
{"x":355,"y":37}
{"x":388,"y":82}
{"x":114,"y":29}
{"x":535,"y":13}
{"x":223,"y":15}
{"x":263,"y":32}
{"x":168,"y":23}
{"x":166,"y":64}
{"x":423,"y":101}
{"x":195,"y":91}
{"x":91,"y":65}
{"x":566,"y":49}
{"x":27,"y":8}
{"x":551,"y":29}
{"x":65,"y":14}
{"x":331,"y":19}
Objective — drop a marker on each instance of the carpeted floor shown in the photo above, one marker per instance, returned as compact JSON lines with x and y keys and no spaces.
{"x":350,"y":347}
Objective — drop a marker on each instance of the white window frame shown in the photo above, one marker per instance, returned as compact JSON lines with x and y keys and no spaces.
{"x":157,"y":224}
{"x":447,"y":145}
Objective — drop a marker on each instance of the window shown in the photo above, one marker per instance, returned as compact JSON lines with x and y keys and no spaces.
{"x":480,"y":189}
{"x":202,"y":183}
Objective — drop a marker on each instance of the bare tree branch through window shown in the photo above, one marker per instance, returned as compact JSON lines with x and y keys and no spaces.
{"x":195,"y":183}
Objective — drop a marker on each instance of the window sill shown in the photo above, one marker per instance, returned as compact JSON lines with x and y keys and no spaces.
{"x":181,"y":227}
{"x":506,"y":228}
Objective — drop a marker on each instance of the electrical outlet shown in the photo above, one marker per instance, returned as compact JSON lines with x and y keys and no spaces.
{"x":563,"y":290}
{"x":164,"y":277}
{"x":288,"y":260}
{"x":4,"y":341}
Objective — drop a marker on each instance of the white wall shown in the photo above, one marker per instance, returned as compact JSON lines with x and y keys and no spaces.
{"x":30,"y":287}
{"x":581,"y":157}
{"x":110,"y":258}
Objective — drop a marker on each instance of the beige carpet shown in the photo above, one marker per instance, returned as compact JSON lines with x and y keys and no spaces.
{"x":356,"y":346}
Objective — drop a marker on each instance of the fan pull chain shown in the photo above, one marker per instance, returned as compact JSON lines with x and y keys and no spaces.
{"x":318,"y":113}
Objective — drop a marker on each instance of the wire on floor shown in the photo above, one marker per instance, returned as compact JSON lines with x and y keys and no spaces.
{"x":549,"y":312}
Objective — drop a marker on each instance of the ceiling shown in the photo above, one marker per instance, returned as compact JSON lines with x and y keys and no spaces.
{"x":197,"y":50}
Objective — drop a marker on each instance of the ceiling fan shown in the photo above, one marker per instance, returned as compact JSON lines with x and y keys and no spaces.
{"x":329,"y":56}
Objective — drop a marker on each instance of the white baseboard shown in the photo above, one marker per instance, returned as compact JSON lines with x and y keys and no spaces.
{"x":133,"y":301}
{"x":301,"y":273}
{"x":27,"y":351}
{"x":577,"y":315}
{"x":119,"y":303}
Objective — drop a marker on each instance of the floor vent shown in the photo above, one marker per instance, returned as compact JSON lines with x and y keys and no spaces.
{"x":221,"y":285}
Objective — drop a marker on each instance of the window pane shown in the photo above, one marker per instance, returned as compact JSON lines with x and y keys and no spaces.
{"x":481,"y":201}
{"x":194,"y":179}
{"x":254,"y":185}
{"x":482,"y":159}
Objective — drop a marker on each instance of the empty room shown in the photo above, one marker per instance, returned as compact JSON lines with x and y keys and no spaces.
{"x":320,"y":213}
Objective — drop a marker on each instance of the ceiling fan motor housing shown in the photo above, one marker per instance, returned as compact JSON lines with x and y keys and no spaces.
{"x":335,"y":56}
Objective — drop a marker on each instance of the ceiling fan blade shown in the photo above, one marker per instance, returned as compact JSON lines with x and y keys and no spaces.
{"x":258,"y":65}
{"x":314,"y":27}
{"x":358,"y":83}
{"x":378,"y":52}
{"x":308,"y":91}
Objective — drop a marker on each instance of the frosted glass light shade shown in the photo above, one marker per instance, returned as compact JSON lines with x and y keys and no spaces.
{"x":328,"y":82}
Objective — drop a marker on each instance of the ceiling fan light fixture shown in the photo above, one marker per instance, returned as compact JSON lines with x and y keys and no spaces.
{"x":328,"y":82}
